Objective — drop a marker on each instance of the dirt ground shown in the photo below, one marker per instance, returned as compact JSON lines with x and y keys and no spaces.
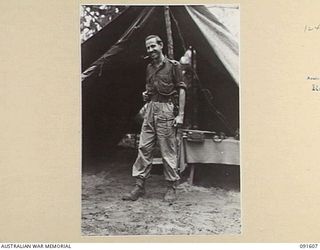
{"x":199,"y":210}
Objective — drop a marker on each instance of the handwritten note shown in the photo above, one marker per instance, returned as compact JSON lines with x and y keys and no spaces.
{"x":315,"y":83}
{"x":310,"y":28}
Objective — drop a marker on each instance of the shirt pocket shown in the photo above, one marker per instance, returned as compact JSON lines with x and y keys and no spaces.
{"x":164,"y":84}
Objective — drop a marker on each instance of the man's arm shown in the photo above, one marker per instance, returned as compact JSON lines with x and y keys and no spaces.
{"x":181,"y":86}
{"x":178,"y":121}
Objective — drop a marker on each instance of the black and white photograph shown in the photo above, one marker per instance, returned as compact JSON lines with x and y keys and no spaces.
{"x":160,"y":120}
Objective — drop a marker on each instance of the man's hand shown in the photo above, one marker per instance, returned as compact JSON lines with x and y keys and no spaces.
{"x":145,"y":96}
{"x":178,"y":121}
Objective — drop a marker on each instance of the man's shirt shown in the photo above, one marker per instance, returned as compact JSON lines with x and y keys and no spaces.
{"x":165,"y":79}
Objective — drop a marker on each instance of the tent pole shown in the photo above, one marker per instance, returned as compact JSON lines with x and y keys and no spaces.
{"x":169,"y":31}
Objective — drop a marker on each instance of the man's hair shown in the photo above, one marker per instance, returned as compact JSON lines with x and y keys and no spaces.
{"x":158,"y":39}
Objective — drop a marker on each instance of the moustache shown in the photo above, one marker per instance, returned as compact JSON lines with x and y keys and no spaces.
{"x":145,"y":57}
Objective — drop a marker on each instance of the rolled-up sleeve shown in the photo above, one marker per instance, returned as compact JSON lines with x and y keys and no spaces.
{"x":177,"y":73}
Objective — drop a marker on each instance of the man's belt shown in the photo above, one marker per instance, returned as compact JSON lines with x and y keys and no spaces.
{"x":162,"y":98}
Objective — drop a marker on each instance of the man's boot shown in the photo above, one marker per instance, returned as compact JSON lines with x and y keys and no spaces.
{"x":170,"y":195}
{"x":136,"y":192}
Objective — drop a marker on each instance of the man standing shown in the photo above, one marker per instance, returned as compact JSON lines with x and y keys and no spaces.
{"x":163,"y":85}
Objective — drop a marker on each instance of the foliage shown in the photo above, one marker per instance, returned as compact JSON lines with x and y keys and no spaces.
{"x":94,"y":17}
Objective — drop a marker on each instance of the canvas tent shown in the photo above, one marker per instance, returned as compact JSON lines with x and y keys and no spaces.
{"x":113,"y":71}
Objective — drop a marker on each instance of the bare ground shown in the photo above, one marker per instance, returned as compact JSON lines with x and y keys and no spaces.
{"x":198,"y":210}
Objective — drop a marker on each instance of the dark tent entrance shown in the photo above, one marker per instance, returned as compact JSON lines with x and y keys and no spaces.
{"x":113,"y":67}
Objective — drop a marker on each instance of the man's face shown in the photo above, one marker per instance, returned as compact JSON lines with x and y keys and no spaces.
{"x":154,"y":50}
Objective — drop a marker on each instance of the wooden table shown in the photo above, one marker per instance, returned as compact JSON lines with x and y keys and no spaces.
{"x":210,"y":150}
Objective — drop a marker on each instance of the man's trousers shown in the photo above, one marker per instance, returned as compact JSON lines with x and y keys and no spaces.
{"x":157,"y":126}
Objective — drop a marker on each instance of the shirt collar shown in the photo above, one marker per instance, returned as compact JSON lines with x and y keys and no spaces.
{"x":165,"y":60}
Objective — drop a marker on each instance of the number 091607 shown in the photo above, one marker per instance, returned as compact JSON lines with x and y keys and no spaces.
{"x":309,"y":246}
